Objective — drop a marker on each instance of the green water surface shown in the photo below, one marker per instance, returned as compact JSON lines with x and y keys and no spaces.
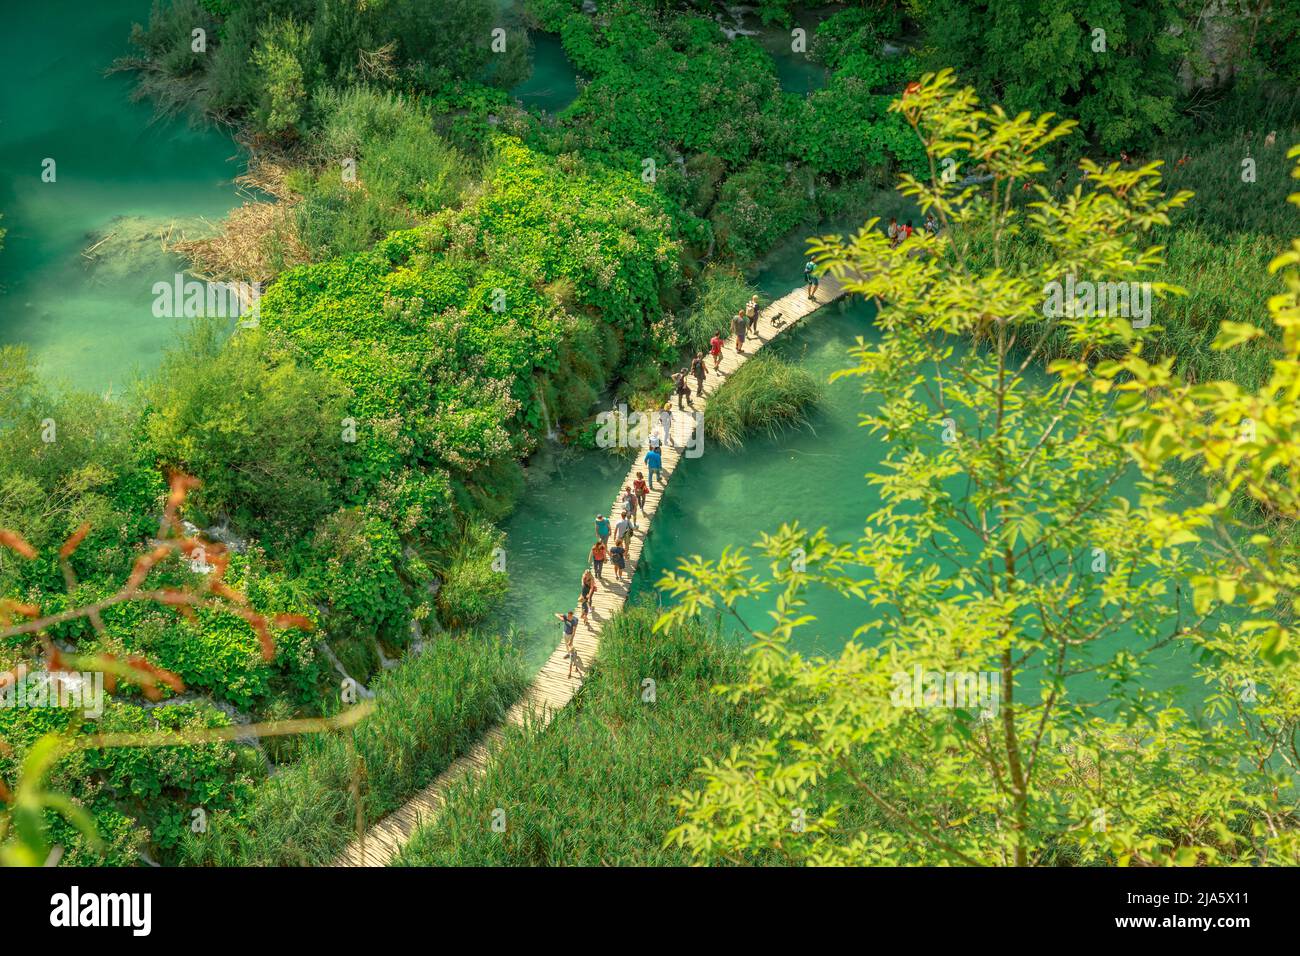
{"x":89,"y":322}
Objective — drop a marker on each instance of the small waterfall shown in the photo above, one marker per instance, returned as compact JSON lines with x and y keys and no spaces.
{"x":551,"y":433}
{"x":362,"y":690}
{"x":385,"y":662}
{"x":737,"y":27}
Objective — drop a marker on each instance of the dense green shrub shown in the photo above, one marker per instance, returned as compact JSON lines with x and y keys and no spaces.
{"x":285,"y":75}
{"x":398,"y":170}
{"x":1040,"y":56}
{"x":756,"y":206}
{"x":440,"y":332}
{"x":725,"y":141}
{"x":473,"y":581}
{"x":357,"y":567}
{"x":265,"y":59}
{"x":845,"y":127}
{"x":138,"y":797}
{"x":93,"y":469}
{"x":262,"y":432}
{"x":164,"y":786}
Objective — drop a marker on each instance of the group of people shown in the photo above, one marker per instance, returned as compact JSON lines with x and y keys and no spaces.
{"x":633,"y":497}
{"x":632,"y":502}
{"x":743,"y":324}
{"x":898,"y":234}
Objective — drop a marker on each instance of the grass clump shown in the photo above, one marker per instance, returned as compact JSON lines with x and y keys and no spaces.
{"x":430,"y":709}
{"x":766,"y":393}
{"x":643,"y":753}
{"x":473,"y":586}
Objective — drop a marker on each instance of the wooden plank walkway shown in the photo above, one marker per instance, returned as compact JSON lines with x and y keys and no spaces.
{"x":552,"y":688}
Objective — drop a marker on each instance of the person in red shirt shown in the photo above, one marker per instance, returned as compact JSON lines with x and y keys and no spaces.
{"x":641,"y":489}
{"x":715,"y":349}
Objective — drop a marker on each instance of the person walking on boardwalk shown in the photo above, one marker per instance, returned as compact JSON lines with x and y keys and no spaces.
{"x":654,"y":464}
{"x":666,"y":423}
{"x":575,"y":661}
{"x":715,"y":349}
{"x":630,"y":503}
{"x":893,"y":231}
{"x":618,"y":558}
{"x":697,"y":369}
{"x":810,"y":279}
{"x":588,"y":593}
{"x":641,"y":489}
{"x":751,"y":314}
{"x":569,"y":621}
{"x":623,"y":530}
{"x":602,"y":528}
{"x":598,"y":555}
{"x":738,"y":329}
{"x":683,"y":389}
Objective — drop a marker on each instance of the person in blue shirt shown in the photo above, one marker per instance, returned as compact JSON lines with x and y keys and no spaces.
{"x":602,"y":529}
{"x":654,"y":461}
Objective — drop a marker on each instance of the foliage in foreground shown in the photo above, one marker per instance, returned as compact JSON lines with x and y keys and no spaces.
{"x":1022,"y":578}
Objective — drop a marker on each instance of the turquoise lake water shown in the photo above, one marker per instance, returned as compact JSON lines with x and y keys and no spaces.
{"x":89,"y":321}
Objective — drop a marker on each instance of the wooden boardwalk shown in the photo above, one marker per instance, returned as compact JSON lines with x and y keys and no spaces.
{"x":552,"y":688}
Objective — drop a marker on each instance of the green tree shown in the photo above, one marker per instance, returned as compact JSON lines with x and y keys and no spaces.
{"x":1121,"y":83}
{"x":1018,"y":568}
{"x":283,"y":63}
{"x":1245,"y":444}
{"x":262,"y":432}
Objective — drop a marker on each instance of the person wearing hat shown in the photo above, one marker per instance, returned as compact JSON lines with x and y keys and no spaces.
{"x":751,"y":314}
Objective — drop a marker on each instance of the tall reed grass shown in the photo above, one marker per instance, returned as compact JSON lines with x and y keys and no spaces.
{"x":720,"y":293}
{"x":594,"y":787}
{"x":431,"y":708}
{"x":766,"y":394}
